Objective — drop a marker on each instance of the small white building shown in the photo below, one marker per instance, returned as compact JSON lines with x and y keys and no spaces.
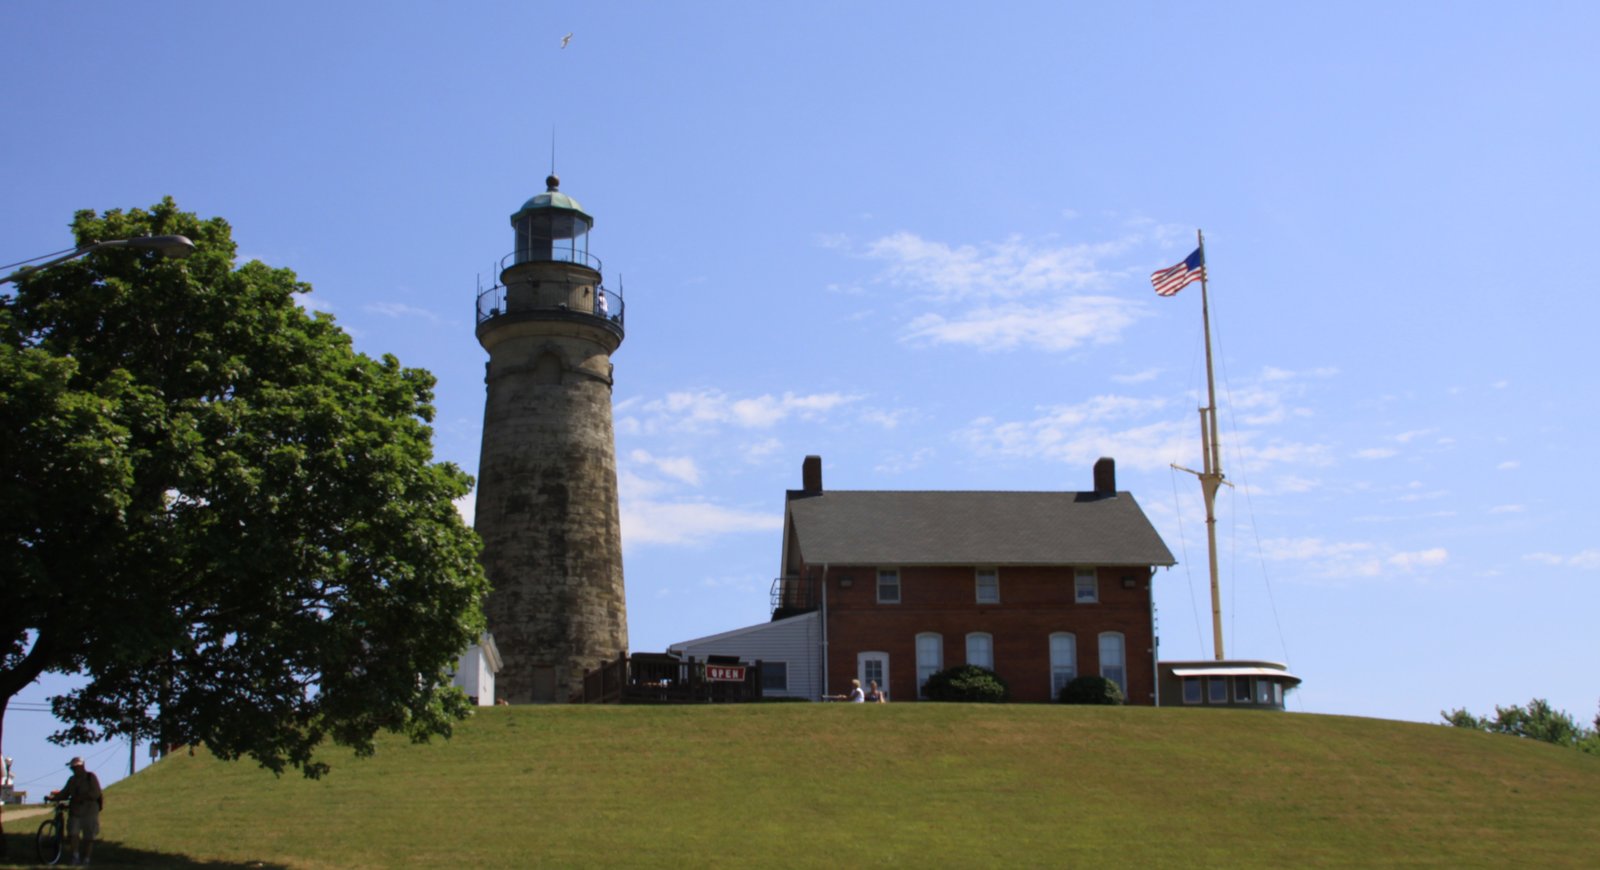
{"x":475,"y":672}
{"x":787,"y":649}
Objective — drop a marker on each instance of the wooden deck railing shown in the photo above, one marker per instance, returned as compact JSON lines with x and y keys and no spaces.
{"x":658,"y":678}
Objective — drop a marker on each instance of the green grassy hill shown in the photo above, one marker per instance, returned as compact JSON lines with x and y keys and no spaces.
{"x":827,"y":785}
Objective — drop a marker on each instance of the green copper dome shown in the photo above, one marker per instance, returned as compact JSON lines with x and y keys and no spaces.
{"x":552,"y":199}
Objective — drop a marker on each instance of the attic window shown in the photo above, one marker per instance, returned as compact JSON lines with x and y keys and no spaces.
{"x":988,"y":586}
{"x":1087,"y":586}
{"x":888,"y":586}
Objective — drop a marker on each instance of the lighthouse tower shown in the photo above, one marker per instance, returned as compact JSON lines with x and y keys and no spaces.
{"x":547,"y":475}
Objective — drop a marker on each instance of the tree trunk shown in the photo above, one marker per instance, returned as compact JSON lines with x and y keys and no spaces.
{"x":12,"y":681}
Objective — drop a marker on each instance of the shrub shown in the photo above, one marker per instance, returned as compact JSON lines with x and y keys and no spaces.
{"x":1091,"y":690}
{"x":968,"y":683}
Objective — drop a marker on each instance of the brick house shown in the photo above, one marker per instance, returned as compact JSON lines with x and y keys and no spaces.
{"x":896,"y":585}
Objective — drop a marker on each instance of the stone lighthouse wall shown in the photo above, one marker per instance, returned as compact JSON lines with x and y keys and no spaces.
{"x":547,"y":502}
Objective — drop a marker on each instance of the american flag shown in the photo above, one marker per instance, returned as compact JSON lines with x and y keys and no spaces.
{"x":1170,"y":280}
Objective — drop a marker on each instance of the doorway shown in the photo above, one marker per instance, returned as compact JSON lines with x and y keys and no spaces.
{"x":873,"y":666}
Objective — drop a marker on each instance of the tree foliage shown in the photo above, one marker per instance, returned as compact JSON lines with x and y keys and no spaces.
{"x":1537,"y":721}
{"x":967,"y":683}
{"x":1091,"y":690}
{"x":219,"y":512}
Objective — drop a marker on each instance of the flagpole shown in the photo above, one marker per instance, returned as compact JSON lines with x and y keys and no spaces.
{"x":1168,"y":282}
{"x":1211,"y":449}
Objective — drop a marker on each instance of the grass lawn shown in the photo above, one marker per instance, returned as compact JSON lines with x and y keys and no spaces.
{"x":827,"y":785}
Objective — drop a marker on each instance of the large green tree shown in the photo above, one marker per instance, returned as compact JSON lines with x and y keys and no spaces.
{"x":218,"y":512}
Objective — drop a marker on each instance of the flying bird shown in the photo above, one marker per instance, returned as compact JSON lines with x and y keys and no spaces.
{"x":566,"y":39}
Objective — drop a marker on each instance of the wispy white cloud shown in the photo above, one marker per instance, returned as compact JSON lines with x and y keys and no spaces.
{"x":900,"y":463}
{"x":647,"y":522}
{"x":1137,"y":377}
{"x":1377,"y":453}
{"x":1306,"y":549}
{"x":1273,"y":373}
{"x":1507,"y":509}
{"x":885,"y":419}
{"x":1062,"y":325}
{"x":681,"y":468}
{"x":1285,"y":452}
{"x":1429,"y":558}
{"x":709,"y":410}
{"x":313,"y":302}
{"x":1146,"y":433}
{"x":1290,"y":483}
{"x":1587,"y":560}
{"x":467,"y":506}
{"x":1011,"y":293}
{"x":1009,"y":269}
{"x":758,"y":451}
{"x":1408,"y":437}
{"x":1334,"y":560}
{"x":1508,"y":465}
{"x":1350,"y":559}
{"x":1271,"y":397}
{"x":400,"y":309}
{"x":651,"y":514}
{"x":1392,"y":518}
{"x":1079,"y":434}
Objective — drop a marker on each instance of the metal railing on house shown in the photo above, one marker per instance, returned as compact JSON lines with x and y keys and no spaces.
{"x":793,"y":595}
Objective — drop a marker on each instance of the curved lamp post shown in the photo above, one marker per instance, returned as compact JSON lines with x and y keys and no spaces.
{"x":175,"y":247}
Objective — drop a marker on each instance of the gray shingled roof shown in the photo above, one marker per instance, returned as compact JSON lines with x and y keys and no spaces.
{"x":975,"y":528}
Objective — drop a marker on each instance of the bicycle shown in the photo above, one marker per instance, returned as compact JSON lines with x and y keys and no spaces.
{"x":51,"y":841}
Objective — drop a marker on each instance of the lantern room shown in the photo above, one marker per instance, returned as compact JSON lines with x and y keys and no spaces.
{"x":553,"y":227}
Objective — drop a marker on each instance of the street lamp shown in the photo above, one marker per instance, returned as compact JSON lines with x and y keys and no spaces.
{"x":175,"y":247}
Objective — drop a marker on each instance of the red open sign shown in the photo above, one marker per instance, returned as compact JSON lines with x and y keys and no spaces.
{"x":725,"y":673}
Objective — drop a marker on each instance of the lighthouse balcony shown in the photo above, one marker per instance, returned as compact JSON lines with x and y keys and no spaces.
{"x":550,"y":300}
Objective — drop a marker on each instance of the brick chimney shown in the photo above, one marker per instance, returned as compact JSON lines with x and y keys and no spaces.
{"x":811,"y":475}
{"x":1105,"y":476}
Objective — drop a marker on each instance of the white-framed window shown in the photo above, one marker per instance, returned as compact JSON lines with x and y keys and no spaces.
{"x":774,"y":676}
{"x":888,"y":586}
{"x":1277,"y":693}
{"x":930,"y":657}
{"x":1063,"y":661}
{"x":1113,"y":665}
{"x":1218,"y":688}
{"x":1263,"y":691}
{"x":1086,"y":586}
{"x":872,"y":666}
{"x":980,"y":649}
{"x":1241,"y":690}
{"x":988,"y":586}
{"x":1191,"y":690}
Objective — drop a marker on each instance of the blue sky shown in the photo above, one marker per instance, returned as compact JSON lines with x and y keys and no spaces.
{"x":915,"y":239}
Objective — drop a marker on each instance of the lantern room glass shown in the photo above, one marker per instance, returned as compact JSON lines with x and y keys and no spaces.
{"x":553,"y":234}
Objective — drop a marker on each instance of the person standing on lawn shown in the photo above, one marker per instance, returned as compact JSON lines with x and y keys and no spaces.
{"x":84,"y":801}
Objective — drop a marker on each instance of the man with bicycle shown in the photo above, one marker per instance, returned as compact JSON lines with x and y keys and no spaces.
{"x":84,"y":801}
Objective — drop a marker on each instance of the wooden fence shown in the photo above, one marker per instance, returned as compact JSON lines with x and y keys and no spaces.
{"x":658,"y":678}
